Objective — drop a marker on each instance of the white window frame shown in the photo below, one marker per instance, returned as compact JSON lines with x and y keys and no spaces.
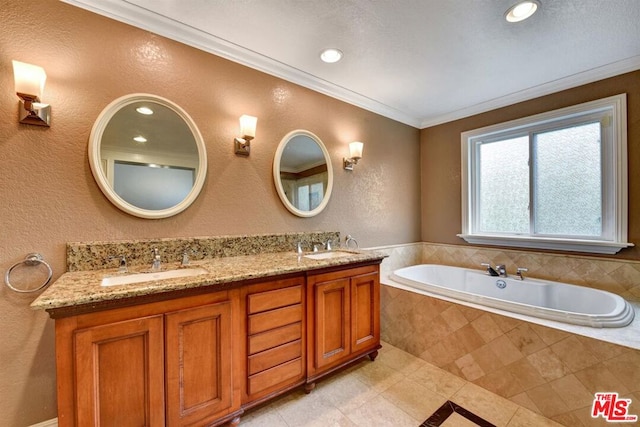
{"x":614,"y":180}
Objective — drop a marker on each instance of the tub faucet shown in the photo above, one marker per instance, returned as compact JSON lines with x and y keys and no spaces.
{"x":490,"y":270}
{"x":502,"y":270}
{"x":156,"y":260}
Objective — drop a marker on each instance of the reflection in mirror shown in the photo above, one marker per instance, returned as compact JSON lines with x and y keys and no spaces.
{"x":302,"y":173}
{"x":147,"y":156}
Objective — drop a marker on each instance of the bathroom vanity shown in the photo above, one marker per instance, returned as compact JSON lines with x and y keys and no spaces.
{"x":200,"y":350}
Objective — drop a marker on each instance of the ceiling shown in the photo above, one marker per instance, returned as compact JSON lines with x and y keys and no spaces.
{"x":420,"y":62}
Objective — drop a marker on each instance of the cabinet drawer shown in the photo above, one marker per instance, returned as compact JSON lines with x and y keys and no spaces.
{"x":274,"y":376}
{"x":270,"y":300}
{"x":275,"y":318}
{"x":274,"y":357}
{"x":275,"y":337}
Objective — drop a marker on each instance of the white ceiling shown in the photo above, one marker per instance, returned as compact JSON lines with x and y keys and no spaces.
{"x":421,"y":62}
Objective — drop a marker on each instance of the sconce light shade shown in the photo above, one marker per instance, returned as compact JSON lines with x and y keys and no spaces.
{"x":29,"y":86}
{"x":355,"y":154}
{"x":248,"y":131}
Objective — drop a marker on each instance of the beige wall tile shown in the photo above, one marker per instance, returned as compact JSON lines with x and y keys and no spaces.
{"x":486,"y":327}
{"x":501,"y":383}
{"x":574,"y":394}
{"x":548,"y":365}
{"x":626,"y":368}
{"x":525,"y":374}
{"x":505,"y":350}
{"x":598,"y":378}
{"x":470,"y":369}
{"x":525,"y":401}
{"x":525,"y":339}
{"x":573,"y":354}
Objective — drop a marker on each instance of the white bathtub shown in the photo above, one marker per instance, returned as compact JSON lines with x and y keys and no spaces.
{"x":562,"y":302}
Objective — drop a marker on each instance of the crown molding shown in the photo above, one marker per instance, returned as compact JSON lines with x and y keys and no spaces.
{"x":137,"y":16}
{"x":579,"y":79}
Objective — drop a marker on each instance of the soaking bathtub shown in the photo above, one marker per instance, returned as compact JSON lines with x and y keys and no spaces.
{"x":557,"y":301}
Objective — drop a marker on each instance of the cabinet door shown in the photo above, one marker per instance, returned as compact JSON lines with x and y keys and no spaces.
{"x":365,"y":309}
{"x":198,"y":365}
{"x":119,"y":371}
{"x":332,"y":324}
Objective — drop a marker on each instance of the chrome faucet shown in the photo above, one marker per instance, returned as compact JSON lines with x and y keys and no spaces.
{"x":299,"y":248}
{"x":490,"y":270}
{"x":185,"y":258}
{"x":156,"y":260}
{"x":502,"y":270}
{"x":122,"y":266}
{"x":327,"y":246}
{"x":519,"y":272}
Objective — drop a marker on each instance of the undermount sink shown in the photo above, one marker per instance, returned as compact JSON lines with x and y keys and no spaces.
{"x":128,"y":279}
{"x":327,"y":255}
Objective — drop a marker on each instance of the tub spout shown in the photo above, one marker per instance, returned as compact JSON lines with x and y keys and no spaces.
{"x":502,"y":270}
{"x":490,"y":270}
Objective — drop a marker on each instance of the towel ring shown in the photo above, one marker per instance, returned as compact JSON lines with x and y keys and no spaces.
{"x":30,"y":260}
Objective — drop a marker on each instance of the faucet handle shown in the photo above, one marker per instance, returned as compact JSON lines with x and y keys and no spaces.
{"x":519,"y":272}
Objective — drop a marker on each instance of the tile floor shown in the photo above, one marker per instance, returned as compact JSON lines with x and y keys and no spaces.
{"x":396,"y":390}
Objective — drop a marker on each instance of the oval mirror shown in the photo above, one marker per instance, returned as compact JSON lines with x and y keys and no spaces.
{"x":302,"y":173}
{"x":147,"y":156}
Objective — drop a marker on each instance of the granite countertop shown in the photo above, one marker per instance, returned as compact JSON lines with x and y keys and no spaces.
{"x":84,"y":287}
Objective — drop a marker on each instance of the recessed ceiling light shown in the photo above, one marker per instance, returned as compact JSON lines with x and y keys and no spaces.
{"x":140,"y":138}
{"x":522,"y":10}
{"x":331,"y":55}
{"x":144,"y":110}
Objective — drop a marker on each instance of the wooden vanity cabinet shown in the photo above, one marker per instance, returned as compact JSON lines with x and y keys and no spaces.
{"x":201,"y":360}
{"x":343,"y":318}
{"x":164,"y":363}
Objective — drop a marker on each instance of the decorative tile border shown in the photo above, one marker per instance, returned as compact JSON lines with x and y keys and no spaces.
{"x":83,"y":256}
{"x":449,"y":408}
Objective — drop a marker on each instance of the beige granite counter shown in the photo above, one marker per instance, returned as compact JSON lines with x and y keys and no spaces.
{"x":78,"y":288}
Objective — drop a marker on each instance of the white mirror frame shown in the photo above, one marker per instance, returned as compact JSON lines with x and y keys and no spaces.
{"x":96,"y":168}
{"x":278,"y":182}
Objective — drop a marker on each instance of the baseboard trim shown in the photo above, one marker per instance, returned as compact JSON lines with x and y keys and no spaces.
{"x":49,"y":423}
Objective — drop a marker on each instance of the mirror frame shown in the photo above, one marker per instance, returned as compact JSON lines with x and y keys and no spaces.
{"x":278,"y":183}
{"x":95,"y":140}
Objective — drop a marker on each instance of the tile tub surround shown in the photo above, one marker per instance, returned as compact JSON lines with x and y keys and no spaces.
{"x":98,"y":255}
{"x":551,"y":372}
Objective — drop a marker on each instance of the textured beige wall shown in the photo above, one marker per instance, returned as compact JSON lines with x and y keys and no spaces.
{"x":440,"y":152}
{"x":48,"y":195}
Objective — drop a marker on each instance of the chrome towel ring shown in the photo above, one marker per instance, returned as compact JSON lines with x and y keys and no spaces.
{"x":31,"y":260}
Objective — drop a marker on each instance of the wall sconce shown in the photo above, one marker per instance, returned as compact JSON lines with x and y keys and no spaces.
{"x":29,"y":82}
{"x":355,"y":154}
{"x":248,"y":132}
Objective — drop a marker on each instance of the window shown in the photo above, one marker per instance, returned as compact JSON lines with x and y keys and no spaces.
{"x":557,"y":180}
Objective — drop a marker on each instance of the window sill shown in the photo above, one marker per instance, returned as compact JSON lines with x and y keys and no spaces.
{"x":589,"y":246}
